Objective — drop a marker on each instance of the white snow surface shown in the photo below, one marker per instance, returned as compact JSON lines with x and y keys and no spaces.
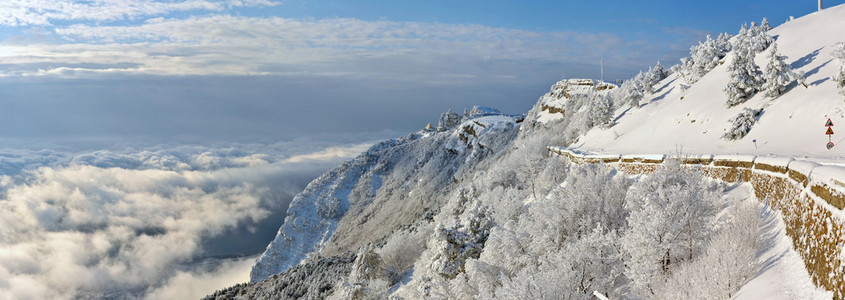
{"x":782,"y":273}
{"x":694,"y":120}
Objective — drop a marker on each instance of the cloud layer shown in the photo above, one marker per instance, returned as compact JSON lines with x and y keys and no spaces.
{"x":135,"y":223}
{"x":46,"y":12}
{"x":155,"y":42}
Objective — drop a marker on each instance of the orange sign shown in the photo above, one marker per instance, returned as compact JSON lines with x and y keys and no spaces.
{"x":829,"y":131}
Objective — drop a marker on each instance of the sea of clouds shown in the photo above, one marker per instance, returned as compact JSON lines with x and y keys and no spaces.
{"x":156,"y":222}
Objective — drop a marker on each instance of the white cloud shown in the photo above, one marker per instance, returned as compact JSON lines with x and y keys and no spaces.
{"x":195,"y":285}
{"x":330,"y":154}
{"x":131,"y":223}
{"x":44,"y":12}
{"x":237,"y":45}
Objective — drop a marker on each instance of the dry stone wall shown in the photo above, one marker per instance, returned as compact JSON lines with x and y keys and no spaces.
{"x":810,"y":196}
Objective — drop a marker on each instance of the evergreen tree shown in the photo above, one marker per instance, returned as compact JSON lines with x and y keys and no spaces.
{"x":764,"y":25}
{"x":632,"y":92}
{"x":741,"y":123}
{"x":746,"y":78}
{"x":723,"y":42}
{"x":776,"y":73}
{"x":602,"y":111}
{"x":704,"y":57}
{"x":838,"y":52}
{"x":653,"y":77}
{"x":759,"y":38}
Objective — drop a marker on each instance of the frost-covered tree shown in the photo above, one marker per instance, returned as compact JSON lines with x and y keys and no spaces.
{"x":670,"y":220}
{"x":729,"y":261}
{"x":741,"y":123}
{"x":602,"y":111}
{"x":723,"y":42}
{"x":366,"y":279}
{"x":455,"y":244}
{"x":776,"y":74}
{"x":838,"y":52}
{"x":758,"y":38}
{"x":764,"y":25}
{"x":631,"y":92}
{"x":653,"y":77}
{"x":745,"y":76}
{"x":704,"y":57}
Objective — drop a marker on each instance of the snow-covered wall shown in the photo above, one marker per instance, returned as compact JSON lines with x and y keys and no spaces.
{"x":811,"y":197}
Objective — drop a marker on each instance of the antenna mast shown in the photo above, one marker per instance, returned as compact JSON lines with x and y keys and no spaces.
{"x":601,"y":63}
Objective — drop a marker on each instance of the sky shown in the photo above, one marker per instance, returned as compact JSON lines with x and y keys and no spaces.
{"x":253,"y":69}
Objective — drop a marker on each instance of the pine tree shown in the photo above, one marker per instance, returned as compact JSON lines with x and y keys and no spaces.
{"x":723,"y":42}
{"x":741,"y":123}
{"x":602,"y":111}
{"x":838,"y":52}
{"x":776,"y":73}
{"x":746,"y":78}
{"x":759,"y":39}
{"x":764,"y":25}
{"x":653,"y":77}
{"x":704,"y":57}
{"x":632,"y":92}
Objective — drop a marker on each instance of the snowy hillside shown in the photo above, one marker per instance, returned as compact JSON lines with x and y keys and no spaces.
{"x":476,"y":208}
{"x":408,"y":175}
{"x":693,"y":120}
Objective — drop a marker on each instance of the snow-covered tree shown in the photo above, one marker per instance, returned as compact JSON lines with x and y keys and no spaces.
{"x":653,"y":77}
{"x":631,"y":92}
{"x":366,"y":279}
{"x":745,"y":77}
{"x":838,"y":52}
{"x":764,"y":25}
{"x":602,"y":111}
{"x":741,"y":123}
{"x":670,"y":220}
{"x":776,"y":74}
{"x":455,"y":244}
{"x":367,"y":266}
{"x":704,"y":57}
{"x":758,"y":38}
{"x":723,"y":42}
{"x":729,"y":261}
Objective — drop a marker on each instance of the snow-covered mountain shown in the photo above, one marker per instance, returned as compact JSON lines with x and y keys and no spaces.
{"x":476,"y":208}
{"x":408,"y":177}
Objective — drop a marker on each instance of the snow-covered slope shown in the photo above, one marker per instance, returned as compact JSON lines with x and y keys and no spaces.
{"x":406,"y":176}
{"x":694,"y":120}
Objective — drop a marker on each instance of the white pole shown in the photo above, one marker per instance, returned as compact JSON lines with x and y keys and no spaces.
{"x":602,"y":66}
{"x":820,"y":5}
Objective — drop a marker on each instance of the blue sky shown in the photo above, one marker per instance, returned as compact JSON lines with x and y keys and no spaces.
{"x":285,"y":69}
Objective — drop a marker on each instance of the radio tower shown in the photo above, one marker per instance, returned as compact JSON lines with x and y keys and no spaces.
{"x":601,"y":63}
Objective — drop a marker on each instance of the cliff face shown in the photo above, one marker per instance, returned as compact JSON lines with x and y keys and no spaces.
{"x":395,"y":183}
